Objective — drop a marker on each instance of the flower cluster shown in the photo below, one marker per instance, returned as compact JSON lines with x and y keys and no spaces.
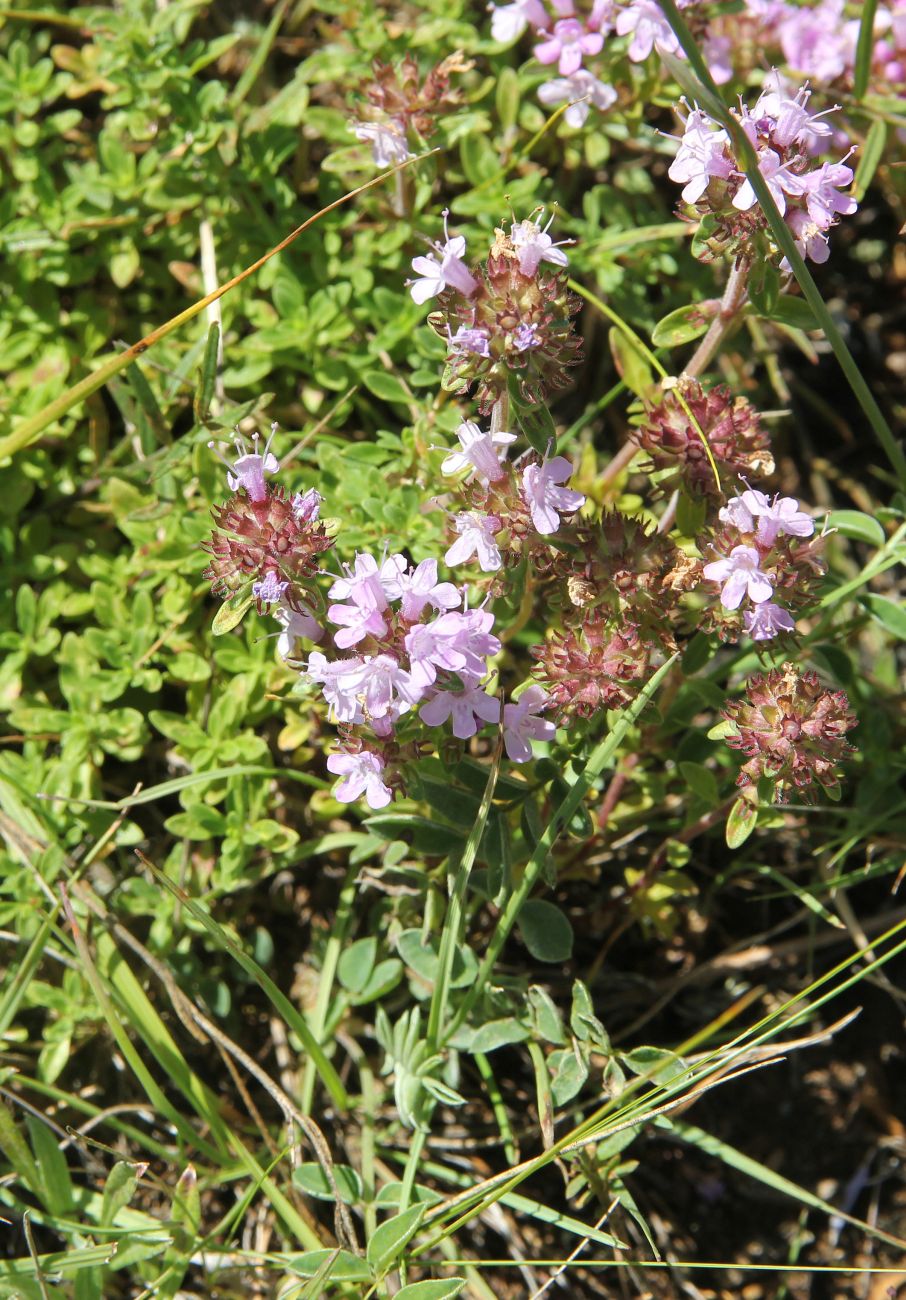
{"x":509,"y":316}
{"x":268,"y":543}
{"x":791,"y":730}
{"x":403,"y":107}
{"x":766,"y":547}
{"x":784,"y":136}
{"x":675,"y":431}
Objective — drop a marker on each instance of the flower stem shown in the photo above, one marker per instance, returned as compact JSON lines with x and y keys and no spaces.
{"x":731,"y":305}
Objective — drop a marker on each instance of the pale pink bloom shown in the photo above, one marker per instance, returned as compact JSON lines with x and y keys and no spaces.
{"x":567,"y":45}
{"x":307,"y":506}
{"x":439,"y":644}
{"x":740,"y":575}
{"x":442,"y":268}
{"x":817,"y":40}
{"x":778,"y":177}
{"x":521,"y":725}
{"x":545,"y":499}
{"x":703,"y":153}
{"x":645,"y":20}
{"x":476,"y":537}
{"x":295,"y":624}
{"x":584,"y":91}
{"x":380,"y":683}
{"x":737,"y":514}
{"x":767,"y":619}
{"x":810,"y":239}
{"x":821,"y":189}
{"x":337,"y":681}
{"x":468,"y":708}
{"x":780,"y":515}
{"x":416,"y":588}
{"x":534,"y":245}
{"x":389,"y":145}
{"x":508,"y":22}
{"x":787,"y":118}
{"x":361,"y":584}
{"x":362,"y":774}
{"x":718,"y":51}
{"x":249,"y":468}
{"x":481,"y":453}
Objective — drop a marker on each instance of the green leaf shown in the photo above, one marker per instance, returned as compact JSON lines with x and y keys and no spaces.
{"x":741,"y":822}
{"x":312,"y":1179}
{"x":690,"y":514}
{"x":857,"y":525}
{"x":386,"y":386}
{"x":440,"y":1290}
{"x":888,"y":613}
{"x":348,"y":1267}
{"x":682,"y":325}
{"x":423,"y":959}
{"x":701,"y":781}
{"x":794,"y":312}
{"x":870,"y":156}
{"x":389,"y":1240}
{"x":231,"y":613}
{"x":545,"y":930}
{"x":535,"y":421}
{"x":569,"y":1069}
{"x":356,"y":964}
{"x":207,"y":374}
{"x":507,"y":97}
{"x":498,"y":1033}
{"x":547,"y":1018}
{"x":631,"y":362}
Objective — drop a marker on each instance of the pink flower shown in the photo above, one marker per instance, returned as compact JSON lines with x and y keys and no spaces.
{"x":457,"y":643}
{"x":482,"y":453}
{"x":365,"y":615}
{"x":737,"y":514}
{"x":534,"y":245}
{"x":416,"y":588}
{"x":442,"y":268}
{"x":817,"y":40}
{"x":249,"y":468}
{"x":779,"y":180}
{"x":567,"y":45}
{"x":740,"y":576}
{"x":782,"y":515}
{"x":545,"y":500}
{"x":767,"y":619}
{"x":810,"y":239}
{"x":521,"y":725}
{"x":337,"y":681}
{"x":295,"y":625}
{"x":508,"y":22}
{"x":476,"y":537}
{"x":389,"y":145}
{"x":307,"y":506}
{"x":822,"y":197}
{"x":380,"y":683}
{"x":704,"y":152}
{"x":584,"y":91}
{"x":467,"y":708}
{"x":362,"y":774}
{"x":270,"y":589}
{"x":645,"y":20}
{"x":467,"y":339}
{"x":788,"y":120}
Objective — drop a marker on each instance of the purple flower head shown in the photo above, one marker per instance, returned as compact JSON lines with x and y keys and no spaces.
{"x":567,"y":45}
{"x":704,"y":153}
{"x":307,"y":506}
{"x":476,"y":537}
{"x":482,"y":453}
{"x":767,"y":619}
{"x":442,"y":269}
{"x":645,"y":20}
{"x":337,"y":679}
{"x":455,"y":642}
{"x":362,"y":774}
{"x":583,"y":90}
{"x":382,"y":686}
{"x":295,"y":624}
{"x":534,"y":245}
{"x":416,"y":588}
{"x":525,"y":337}
{"x":545,"y":500}
{"x":389,"y":145}
{"x":817,"y":40}
{"x":740,"y":575}
{"x":508,"y":22}
{"x":270,"y":589}
{"x":250,"y":467}
{"x":467,"y":339}
{"x":787,"y":117}
{"x":782,"y":515}
{"x":718,"y":52}
{"x":469,"y":709}
{"x":521,"y":725}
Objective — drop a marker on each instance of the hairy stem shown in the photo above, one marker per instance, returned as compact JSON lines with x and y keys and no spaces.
{"x":731,"y":305}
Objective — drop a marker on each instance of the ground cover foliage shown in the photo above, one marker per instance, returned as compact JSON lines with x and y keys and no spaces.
{"x":597,"y":991}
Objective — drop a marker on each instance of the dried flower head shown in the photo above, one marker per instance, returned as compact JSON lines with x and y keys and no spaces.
{"x":731,"y":426}
{"x":592,"y":667}
{"x":399,"y":91}
{"x":791,"y":729}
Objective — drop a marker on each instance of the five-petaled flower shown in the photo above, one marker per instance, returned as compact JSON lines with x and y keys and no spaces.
{"x":442,"y":269}
{"x":521,"y":724}
{"x":362,"y":774}
{"x":740,"y":576}
{"x":545,"y":499}
{"x":481,"y":453}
